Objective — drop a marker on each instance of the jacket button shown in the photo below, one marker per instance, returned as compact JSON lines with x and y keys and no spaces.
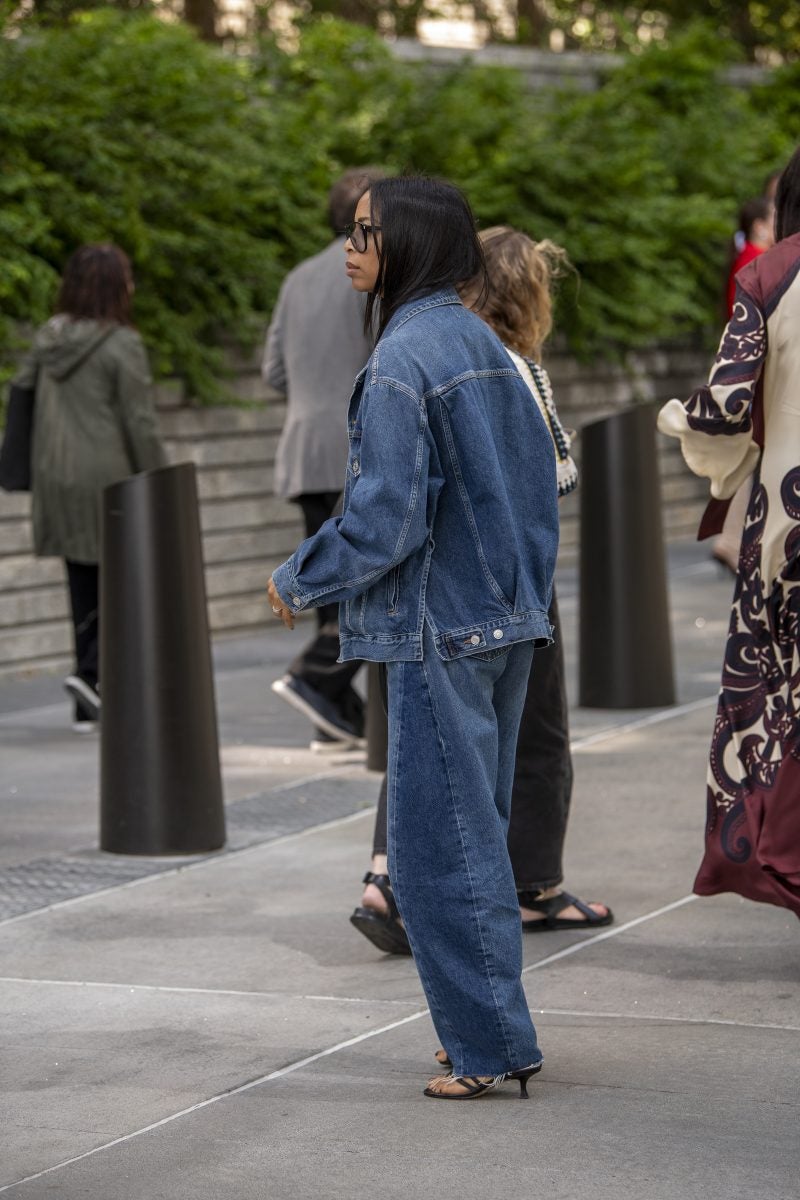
{"x":475,"y":640}
{"x":296,"y":600}
{"x":498,"y":633}
{"x":356,"y":466}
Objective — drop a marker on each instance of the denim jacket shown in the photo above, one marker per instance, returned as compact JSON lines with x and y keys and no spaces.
{"x":449,"y":513}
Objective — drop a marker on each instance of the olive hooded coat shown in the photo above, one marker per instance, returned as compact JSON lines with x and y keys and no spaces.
{"x":94,"y":424}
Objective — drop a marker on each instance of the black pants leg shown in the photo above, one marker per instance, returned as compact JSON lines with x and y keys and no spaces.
{"x":83,"y":580}
{"x":317,"y":664}
{"x":542,"y":772}
{"x":542,"y":775}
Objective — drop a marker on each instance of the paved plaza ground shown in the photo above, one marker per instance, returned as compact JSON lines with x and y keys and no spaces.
{"x":214,"y":1028}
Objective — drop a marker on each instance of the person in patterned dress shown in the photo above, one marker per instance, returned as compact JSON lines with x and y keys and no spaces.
{"x":748,"y":419}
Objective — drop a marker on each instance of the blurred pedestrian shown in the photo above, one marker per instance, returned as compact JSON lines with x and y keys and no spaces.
{"x":446,"y":449}
{"x":757,"y":235}
{"x":94,"y":424}
{"x":517,"y":306}
{"x":748,"y":419}
{"x":316,"y":345}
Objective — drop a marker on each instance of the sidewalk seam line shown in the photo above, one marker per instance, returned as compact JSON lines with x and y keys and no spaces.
{"x":198,"y":991}
{"x":663,"y":714}
{"x":655,"y":1017}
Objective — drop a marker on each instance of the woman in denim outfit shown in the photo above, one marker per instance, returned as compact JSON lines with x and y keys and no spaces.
{"x":442,"y":563}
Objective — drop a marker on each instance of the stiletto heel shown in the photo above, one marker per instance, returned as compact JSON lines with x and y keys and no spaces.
{"x":522,"y":1076}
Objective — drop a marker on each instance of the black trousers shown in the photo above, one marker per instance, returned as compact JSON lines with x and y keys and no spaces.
{"x":317,"y":664}
{"x":542,"y":776}
{"x":83,"y":580}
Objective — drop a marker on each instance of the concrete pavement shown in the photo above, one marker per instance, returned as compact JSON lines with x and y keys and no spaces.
{"x":215,"y":1028}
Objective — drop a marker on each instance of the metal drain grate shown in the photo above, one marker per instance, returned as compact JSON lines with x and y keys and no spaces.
{"x":256,"y":819}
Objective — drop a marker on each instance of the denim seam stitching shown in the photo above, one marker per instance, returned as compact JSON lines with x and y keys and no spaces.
{"x":392,"y":813}
{"x":462,"y":491}
{"x":476,"y":917}
{"x":442,"y":388}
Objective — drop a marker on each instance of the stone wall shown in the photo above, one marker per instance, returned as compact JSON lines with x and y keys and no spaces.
{"x":578,"y":69}
{"x":246,"y":531}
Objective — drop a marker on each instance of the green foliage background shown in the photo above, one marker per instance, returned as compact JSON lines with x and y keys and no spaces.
{"x":212,"y":171}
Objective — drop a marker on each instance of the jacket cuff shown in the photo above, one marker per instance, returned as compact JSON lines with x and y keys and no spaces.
{"x":287,"y":587}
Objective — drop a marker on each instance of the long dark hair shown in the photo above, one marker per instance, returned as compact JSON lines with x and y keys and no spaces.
{"x":428,"y":241}
{"x":97,"y":283}
{"x":787,"y":199}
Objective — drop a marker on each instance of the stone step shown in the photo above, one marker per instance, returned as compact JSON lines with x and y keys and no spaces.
{"x":48,"y":664}
{"x":28,"y":643}
{"x":14,"y":504}
{"x":219,"y":482}
{"x":249,"y":611}
{"x":237,"y":578}
{"x":27,"y":607}
{"x":16,"y":537}
{"x":22,"y":571}
{"x":270,"y":544}
{"x":252,"y":448}
{"x":188,"y":423}
{"x":243,"y":514}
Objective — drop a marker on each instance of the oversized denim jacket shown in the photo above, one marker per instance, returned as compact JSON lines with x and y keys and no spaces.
{"x":449,"y":512}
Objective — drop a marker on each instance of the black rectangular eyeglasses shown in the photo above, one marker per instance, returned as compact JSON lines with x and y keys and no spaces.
{"x":358,"y":232}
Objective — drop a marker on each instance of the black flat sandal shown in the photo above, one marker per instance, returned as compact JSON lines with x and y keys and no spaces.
{"x":383,"y":929}
{"x":556,"y":904}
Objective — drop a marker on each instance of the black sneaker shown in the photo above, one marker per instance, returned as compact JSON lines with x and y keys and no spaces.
{"x":312,"y":704}
{"x":85,"y":696}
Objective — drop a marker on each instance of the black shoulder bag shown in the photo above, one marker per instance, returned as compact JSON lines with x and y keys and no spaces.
{"x":15,"y":452}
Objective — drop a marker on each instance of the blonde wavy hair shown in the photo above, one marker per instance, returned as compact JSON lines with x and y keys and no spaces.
{"x":518,"y":302}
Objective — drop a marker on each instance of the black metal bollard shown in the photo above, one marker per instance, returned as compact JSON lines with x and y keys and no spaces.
{"x":377,"y":725}
{"x":625,"y":642}
{"x":161,"y":789}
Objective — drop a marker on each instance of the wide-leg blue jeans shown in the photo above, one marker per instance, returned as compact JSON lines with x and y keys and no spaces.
{"x":452,"y":738}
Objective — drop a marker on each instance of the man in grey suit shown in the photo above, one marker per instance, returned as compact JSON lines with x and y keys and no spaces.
{"x":315,"y":347}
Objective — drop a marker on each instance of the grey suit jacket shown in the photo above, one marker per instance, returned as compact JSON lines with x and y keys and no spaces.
{"x":315,"y":348}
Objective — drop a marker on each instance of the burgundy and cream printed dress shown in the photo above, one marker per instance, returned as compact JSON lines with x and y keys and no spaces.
{"x":747,"y":420}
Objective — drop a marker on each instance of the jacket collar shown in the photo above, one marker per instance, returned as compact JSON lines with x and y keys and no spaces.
{"x":410,"y":309}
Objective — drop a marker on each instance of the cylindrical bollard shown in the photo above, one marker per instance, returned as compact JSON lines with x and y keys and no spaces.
{"x":161,"y":789}
{"x":377,"y":725}
{"x":625,"y":642}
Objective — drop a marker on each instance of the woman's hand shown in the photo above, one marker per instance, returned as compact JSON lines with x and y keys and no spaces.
{"x":278,"y":607}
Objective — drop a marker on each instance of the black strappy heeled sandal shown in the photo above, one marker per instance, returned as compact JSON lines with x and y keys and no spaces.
{"x":383,"y":929}
{"x":473,"y":1086}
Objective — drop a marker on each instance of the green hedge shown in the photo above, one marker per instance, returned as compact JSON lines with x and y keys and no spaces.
{"x":212,"y":171}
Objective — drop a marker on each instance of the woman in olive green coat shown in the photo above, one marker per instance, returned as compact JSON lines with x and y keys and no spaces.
{"x":94,"y":425}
